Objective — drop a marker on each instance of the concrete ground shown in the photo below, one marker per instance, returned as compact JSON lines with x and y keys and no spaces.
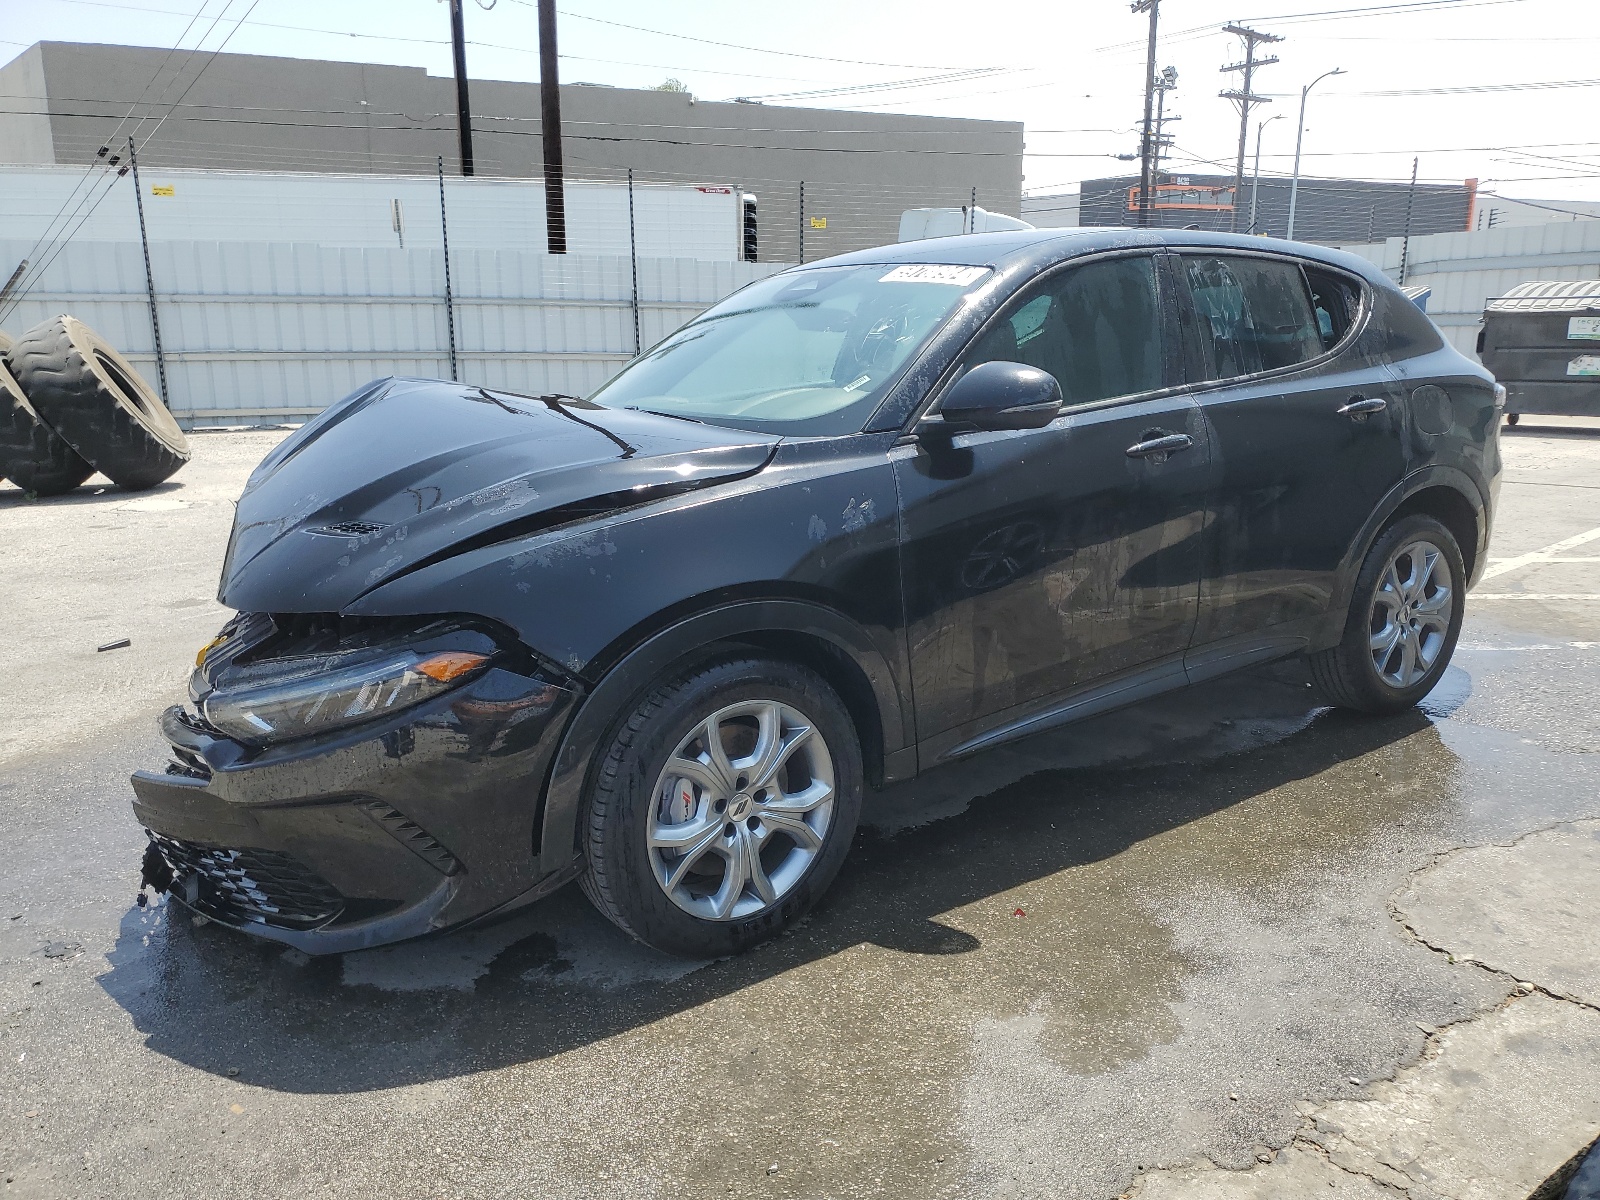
{"x":1222,"y":945}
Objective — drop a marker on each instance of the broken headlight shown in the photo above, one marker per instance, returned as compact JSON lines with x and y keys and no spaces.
{"x":302,"y":695}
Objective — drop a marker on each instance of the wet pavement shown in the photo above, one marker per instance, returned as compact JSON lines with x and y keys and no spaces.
{"x":1140,"y":944}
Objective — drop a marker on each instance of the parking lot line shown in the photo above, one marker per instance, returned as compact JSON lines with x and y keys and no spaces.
{"x":1595,"y":559}
{"x":1535,"y":596}
{"x":1545,"y":555}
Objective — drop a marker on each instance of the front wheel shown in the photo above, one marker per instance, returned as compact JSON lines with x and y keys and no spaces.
{"x":723,"y":807}
{"x":1405,"y":617}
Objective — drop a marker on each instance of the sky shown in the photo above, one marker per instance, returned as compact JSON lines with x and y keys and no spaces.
{"x":1499,"y":90}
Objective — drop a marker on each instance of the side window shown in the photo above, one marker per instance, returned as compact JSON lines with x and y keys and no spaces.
{"x":1254,"y":314}
{"x":1335,"y":300}
{"x":1097,"y":329}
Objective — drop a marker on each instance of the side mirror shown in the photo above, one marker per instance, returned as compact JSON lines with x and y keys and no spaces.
{"x":1003,"y":395}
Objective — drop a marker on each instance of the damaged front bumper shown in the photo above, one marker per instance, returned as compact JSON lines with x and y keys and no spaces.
{"x":364,"y":836}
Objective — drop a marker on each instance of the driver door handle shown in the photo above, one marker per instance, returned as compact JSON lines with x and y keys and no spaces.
{"x":1159,"y":447}
{"x":1360,"y":408}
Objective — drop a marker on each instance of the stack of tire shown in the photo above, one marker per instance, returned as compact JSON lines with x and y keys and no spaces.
{"x":70,"y":405}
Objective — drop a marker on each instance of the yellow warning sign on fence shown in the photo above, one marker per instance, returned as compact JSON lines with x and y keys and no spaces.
{"x":162,"y":189}
{"x":819,"y":222}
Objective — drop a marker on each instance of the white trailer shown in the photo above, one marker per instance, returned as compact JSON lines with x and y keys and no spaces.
{"x":367,"y":211}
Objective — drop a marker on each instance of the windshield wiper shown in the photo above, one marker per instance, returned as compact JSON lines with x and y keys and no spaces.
{"x":654,"y":412}
{"x":554,"y":401}
{"x":557,"y":402}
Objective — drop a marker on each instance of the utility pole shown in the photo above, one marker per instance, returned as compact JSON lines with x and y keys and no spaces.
{"x":458,"y":43}
{"x":1244,"y":98}
{"x":555,"y":202}
{"x":1146,"y":141}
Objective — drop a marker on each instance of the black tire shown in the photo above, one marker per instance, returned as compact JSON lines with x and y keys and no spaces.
{"x":1347,"y":675}
{"x":31,"y":455}
{"x":1513,"y":418}
{"x":620,"y":879}
{"x":94,"y":399}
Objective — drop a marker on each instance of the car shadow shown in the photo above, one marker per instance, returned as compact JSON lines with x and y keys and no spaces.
{"x":559,"y":977}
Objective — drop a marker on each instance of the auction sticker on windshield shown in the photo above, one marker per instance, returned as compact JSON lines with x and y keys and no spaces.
{"x":935,"y":273}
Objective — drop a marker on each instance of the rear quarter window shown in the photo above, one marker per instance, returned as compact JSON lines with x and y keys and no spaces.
{"x":1335,"y":300}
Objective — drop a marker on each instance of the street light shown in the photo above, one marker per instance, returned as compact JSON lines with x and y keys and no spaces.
{"x":1255,"y":187}
{"x":1299,"y":135}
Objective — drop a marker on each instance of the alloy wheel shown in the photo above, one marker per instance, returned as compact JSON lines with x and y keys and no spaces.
{"x":1410,"y":619}
{"x":740,"y":810}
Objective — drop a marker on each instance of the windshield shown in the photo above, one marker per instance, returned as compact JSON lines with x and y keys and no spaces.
{"x":805,"y":352}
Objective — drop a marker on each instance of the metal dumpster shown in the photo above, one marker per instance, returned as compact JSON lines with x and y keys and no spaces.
{"x":1542,"y":341}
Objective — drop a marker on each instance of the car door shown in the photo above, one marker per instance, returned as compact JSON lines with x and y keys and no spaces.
{"x":1307,"y":438}
{"x":1036,"y":562}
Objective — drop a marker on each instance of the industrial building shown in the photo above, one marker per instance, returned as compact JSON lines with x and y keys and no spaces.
{"x":1326,"y":210}
{"x":60,"y":101}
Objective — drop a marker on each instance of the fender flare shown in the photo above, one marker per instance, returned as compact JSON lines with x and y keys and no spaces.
{"x":1417,"y":481}
{"x":638,"y":667}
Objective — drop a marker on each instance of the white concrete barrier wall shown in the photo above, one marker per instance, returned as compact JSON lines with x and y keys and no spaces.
{"x":263,"y":331}
{"x":1467,"y":269}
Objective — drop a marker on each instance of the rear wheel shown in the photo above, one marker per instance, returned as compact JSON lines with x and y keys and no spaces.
{"x":723,"y":807}
{"x":1404,"y":620}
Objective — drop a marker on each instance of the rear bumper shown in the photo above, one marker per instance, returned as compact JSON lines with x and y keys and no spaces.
{"x":367,"y":836}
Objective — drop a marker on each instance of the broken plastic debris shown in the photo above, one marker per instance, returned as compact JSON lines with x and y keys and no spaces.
{"x":119,"y":644}
{"x":1018,"y":913}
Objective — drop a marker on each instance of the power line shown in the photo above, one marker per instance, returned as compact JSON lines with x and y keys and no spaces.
{"x":949,"y":128}
{"x":1474,"y":88}
{"x":856,"y":89}
{"x":418,"y":127}
{"x":683,"y":37}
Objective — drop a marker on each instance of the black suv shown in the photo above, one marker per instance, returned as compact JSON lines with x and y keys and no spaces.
{"x":861,"y":518}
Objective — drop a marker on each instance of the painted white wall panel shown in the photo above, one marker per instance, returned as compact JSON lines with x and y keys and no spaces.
{"x":259,"y":331}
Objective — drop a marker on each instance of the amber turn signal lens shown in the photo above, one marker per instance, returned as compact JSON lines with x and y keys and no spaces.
{"x":199,"y":659}
{"x":452,"y":664}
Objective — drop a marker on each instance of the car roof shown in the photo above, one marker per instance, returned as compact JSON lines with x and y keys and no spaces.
{"x":1045,"y":247}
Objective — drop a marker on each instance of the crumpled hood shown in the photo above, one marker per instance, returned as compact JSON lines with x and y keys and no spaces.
{"x":408,"y":471}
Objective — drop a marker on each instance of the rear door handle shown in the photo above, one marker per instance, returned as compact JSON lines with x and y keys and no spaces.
{"x":1359,"y":408}
{"x":1159,"y":447}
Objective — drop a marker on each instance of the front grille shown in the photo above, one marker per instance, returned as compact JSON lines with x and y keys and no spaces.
{"x":265,"y":887}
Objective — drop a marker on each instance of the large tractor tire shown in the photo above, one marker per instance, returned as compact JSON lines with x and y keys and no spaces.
{"x":96,"y":401}
{"x":31,"y":455}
